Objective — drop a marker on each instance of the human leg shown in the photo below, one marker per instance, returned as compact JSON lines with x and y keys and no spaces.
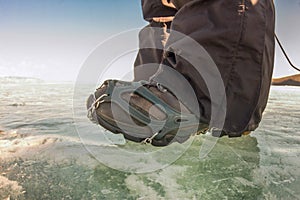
{"x":240,"y":42}
{"x":239,"y":37}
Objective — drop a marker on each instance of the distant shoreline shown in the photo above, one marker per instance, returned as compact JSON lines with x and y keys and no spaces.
{"x":293,"y":80}
{"x":31,"y":80}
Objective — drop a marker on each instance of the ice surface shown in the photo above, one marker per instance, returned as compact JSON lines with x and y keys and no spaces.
{"x":50,"y":151}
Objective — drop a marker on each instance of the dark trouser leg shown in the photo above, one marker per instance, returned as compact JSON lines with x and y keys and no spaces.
{"x":234,"y":63}
{"x":240,"y":40}
{"x":148,"y":59}
{"x":154,"y":35}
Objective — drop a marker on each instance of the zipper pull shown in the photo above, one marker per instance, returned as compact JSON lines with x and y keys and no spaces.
{"x":242,"y":8}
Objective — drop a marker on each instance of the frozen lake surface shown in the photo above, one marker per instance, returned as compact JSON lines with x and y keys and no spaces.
{"x":48,"y":150}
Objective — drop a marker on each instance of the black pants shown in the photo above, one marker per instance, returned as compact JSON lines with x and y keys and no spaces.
{"x":237,"y":35}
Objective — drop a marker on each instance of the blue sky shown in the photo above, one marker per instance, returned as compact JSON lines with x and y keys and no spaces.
{"x":50,"y":39}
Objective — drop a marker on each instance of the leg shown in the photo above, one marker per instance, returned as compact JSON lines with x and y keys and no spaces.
{"x":148,"y":59}
{"x":239,"y":37}
{"x":154,"y":35}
